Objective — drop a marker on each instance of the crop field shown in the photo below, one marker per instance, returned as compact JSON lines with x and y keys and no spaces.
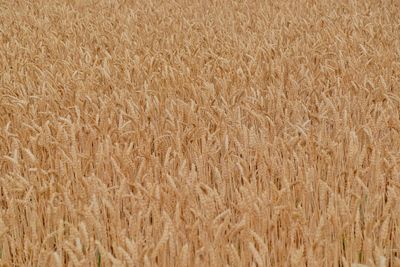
{"x":200,"y":133}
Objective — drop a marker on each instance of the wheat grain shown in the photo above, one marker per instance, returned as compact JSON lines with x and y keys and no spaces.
{"x":180,"y":133}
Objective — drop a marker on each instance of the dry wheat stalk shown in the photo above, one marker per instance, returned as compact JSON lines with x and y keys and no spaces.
{"x":185,"y":133}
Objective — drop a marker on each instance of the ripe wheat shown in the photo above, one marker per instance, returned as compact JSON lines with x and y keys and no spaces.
{"x":199,"y":133}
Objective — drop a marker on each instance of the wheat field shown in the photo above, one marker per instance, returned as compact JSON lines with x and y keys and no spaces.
{"x":200,"y":133}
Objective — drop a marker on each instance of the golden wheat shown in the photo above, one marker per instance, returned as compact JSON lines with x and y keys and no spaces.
{"x":199,"y":133}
